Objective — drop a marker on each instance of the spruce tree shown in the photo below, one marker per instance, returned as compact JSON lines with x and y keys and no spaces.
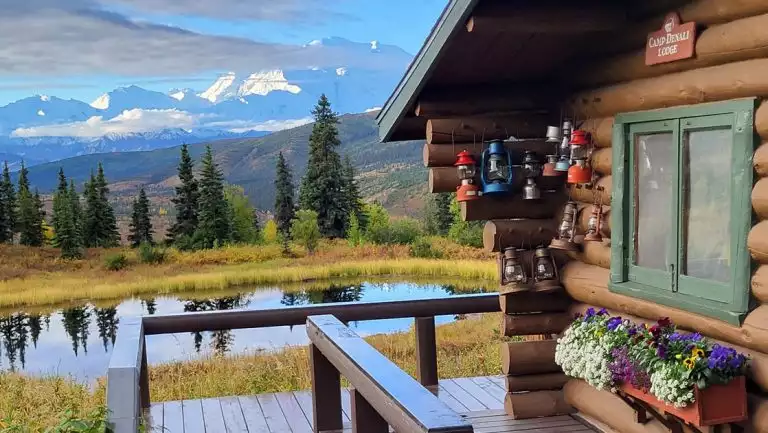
{"x":100,"y":224}
{"x":91,"y":214}
{"x":61,"y":207}
{"x":322,"y":188}
{"x":354,"y":202}
{"x":8,"y":207}
{"x":186,"y":199}
{"x":109,"y":236}
{"x":77,"y":211}
{"x":141,"y":226}
{"x":213,"y":227}
{"x":30,"y":222}
{"x":439,"y":217}
{"x":284,"y":201}
{"x":67,"y":234}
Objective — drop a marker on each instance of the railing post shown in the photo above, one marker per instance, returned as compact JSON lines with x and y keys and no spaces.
{"x":144,"y":378}
{"x":326,"y":392}
{"x":365,"y":419}
{"x":426,"y":351}
{"x":125,"y":395}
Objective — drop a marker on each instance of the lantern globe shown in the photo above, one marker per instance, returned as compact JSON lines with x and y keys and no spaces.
{"x":496,"y":174}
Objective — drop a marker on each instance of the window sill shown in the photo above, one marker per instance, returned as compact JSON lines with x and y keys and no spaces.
{"x":679,"y":301}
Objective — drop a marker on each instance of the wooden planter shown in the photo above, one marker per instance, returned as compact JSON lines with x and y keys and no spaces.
{"x":717,"y":404}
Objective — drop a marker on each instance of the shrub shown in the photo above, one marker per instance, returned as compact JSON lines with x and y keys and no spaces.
{"x":115,"y":262}
{"x":151,"y":255}
{"x":401,"y":232}
{"x":304,"y":229}
{"x":422,"y":248}
{"x":467,"y":234}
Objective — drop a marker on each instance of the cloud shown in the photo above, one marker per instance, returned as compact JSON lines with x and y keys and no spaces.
{"x":136,"y":120}
{"x":239,"y":126}
{"x":40,"y":38}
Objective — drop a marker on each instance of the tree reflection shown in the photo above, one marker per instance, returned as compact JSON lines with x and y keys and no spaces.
{"x":221,"y":341}
{"x":107,"y":321}
{"x":331,"y":294}
{"x":453,"y":290}
{"x":150,"y":305}
{"x":76,"y":321}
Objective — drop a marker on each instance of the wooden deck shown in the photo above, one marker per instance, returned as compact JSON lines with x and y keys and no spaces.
{"x":479,"y":399}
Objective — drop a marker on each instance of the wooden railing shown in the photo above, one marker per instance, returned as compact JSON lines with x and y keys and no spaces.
{"x":382,"y":394}
{"x":128,"y":379}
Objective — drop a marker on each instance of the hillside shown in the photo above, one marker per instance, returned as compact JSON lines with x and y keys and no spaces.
{"x":391,"y":173}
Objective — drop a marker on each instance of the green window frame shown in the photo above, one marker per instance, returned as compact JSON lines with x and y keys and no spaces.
{"x":725,"y":299}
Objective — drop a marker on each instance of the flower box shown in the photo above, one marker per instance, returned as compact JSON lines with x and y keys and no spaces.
{"x":716,"y":404}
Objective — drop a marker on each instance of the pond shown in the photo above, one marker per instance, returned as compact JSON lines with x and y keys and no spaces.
{"x":77,"y":341}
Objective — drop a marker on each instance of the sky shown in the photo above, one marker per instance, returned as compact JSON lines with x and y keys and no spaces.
{"x":82,"y":48}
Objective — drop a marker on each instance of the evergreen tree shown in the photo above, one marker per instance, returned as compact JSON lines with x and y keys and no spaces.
{"x":141,"y":226}
{"x":284,"y":200}
{"x":109,"y":236}
{"x":100,"y":225}
{"x":322,"y":188}
{"x":213,"y":218}
{"x":186,"y":199}
{"x":77,"y":210}
{"x":61,"y":207}
{"x":90,"y":217}
{"x":438,"y":214}
{"x":30,"y":222}
{"x":244,"y":229}
{"x":354,"y":202}
{"x":7,"y":207}
{"x":65,"y":220}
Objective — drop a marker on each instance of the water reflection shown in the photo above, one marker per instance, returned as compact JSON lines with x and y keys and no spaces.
{"x":78,"y":340}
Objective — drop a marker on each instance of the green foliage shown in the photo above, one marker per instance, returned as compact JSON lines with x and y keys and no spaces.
{"x":245,"y":223}
{"x":438,"y":216}
{"x":467,"y":233}
{"x":401,"y":232}
{"x":150,"y":254}
{"x":354,"y":232}
{"x":30,"y":217}
{"x":305,"y":229}
{"x":94,"y":422}
{"x":284,"y":196}
{"x":100,"y":225}
{"x":377,"y":216}
{"x":7,"y":207}
{"x":271,"y":232}
{"x":115,"y":262}
{"x":423,"y":248}
{"x":322,"y":188}
{"x":186,"y":199}
{"x":141,"y":225}
{"x":351,"y":193}
{"x":213,"y":227}
{"x":66,"y":231}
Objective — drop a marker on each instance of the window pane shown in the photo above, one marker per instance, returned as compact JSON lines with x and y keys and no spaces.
{"x":707,"y":204}
{"x":654,"y":176}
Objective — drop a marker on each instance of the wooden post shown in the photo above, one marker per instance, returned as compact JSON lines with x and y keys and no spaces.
{"x":326,"y":392}
{"x":426,"y":351}
{"x":365,"y":419}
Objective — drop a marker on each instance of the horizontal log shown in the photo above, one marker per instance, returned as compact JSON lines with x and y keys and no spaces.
{"x":734,"y":41}
{"x":760,"y":284}
{"x":444,"y":179}
{"x":760,"y":198}
{"x":529,"y":357}
{"x":761,"y":120}
{"x":584,"y":215}
{"x":481,"y":100}
{"x":469,"y":129}
{"x":499,"y":17}
{"x":534,"y":302}
{"x":533,"y":324}
{"x":512,"y":206}
{"x":535,"y":382}
{"x":585,"y":195}
{"x":500,"y":234}
{"x":758,"y":364}
{"x":732,"y":80}
{"x":758,"y":413}
{"x":597,"y":253}
{"x":761,"y":160}
{"x":601,"y":130}
{"x":589,"y":284}
{"x":757,"y":242}
{"x":602,"y":159}
{"x":536,"y":404}
{"x":444,"y":155}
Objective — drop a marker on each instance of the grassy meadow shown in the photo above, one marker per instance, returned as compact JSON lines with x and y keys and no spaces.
{"x":465,"y":348}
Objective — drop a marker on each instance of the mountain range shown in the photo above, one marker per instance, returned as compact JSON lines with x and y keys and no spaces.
{"x":237,"y":104}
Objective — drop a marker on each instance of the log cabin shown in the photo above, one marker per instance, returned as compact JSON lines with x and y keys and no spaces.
{"x":678,"y":156}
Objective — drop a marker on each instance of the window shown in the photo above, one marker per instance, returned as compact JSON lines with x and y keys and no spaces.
{"x":681,"y":207}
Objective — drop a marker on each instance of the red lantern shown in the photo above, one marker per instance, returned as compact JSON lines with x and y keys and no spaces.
{"x":579,"y":138}
{"x":466,"y":166}
{"x":580,"y":172}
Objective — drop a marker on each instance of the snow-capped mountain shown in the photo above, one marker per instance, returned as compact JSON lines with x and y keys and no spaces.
{"x":235,"y":102}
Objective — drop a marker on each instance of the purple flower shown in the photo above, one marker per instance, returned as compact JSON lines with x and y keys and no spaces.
{"x":661,"y":351}
{"x":602,"y":312}
{"x":613,"y":323}
{"x":632,"y":331}
{"x":590,"y":312}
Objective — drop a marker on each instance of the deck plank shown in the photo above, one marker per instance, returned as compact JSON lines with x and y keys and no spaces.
{"x":450,"y":400}
{"x":173,"y":417}
{"x":462,"y":395}
{"x":193,"y":416}
{"x":489,"y":387}
{"x":479,"y":393}
{"x":213,"y":416}
{"x":273,"y":414}
{"x":293,"y":413}
{"x":498,"y":381}
{"x":155,"y":418}
{"x":254,"y":416}
{"x":234,"y":420}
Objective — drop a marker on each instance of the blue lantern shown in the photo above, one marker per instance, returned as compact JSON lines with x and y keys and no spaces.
{"x":496,"y":175}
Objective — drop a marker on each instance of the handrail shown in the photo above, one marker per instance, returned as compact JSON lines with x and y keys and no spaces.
{"x":128,"y":365}
{"x":383,"y":395}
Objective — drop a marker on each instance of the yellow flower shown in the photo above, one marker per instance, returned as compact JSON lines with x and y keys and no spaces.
{"x":679,"y":356}
{"x":697,"y":353}
{"x":599,"y":333}
{"x":689,"y":362}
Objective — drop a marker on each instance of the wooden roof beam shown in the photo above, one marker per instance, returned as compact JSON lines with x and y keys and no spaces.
{"x":483,"y":100}
{"x":511,"y":17}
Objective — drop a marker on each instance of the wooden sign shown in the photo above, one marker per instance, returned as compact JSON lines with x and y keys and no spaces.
{"x":675,"y":41}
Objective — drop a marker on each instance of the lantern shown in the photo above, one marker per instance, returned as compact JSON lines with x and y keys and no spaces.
{"x":594,"y":225}
{"x":565,"y":233}
{"x":465,"y":165}
{"x":496,"y":172}
{"x":531,"y":164}
{"x":545,"y":276}
{"x":580,"y":172}
{"x":564,"y":160}
{"x":553,"y":135}
{"x":513,"y":276}
{"x":549,"y":168}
